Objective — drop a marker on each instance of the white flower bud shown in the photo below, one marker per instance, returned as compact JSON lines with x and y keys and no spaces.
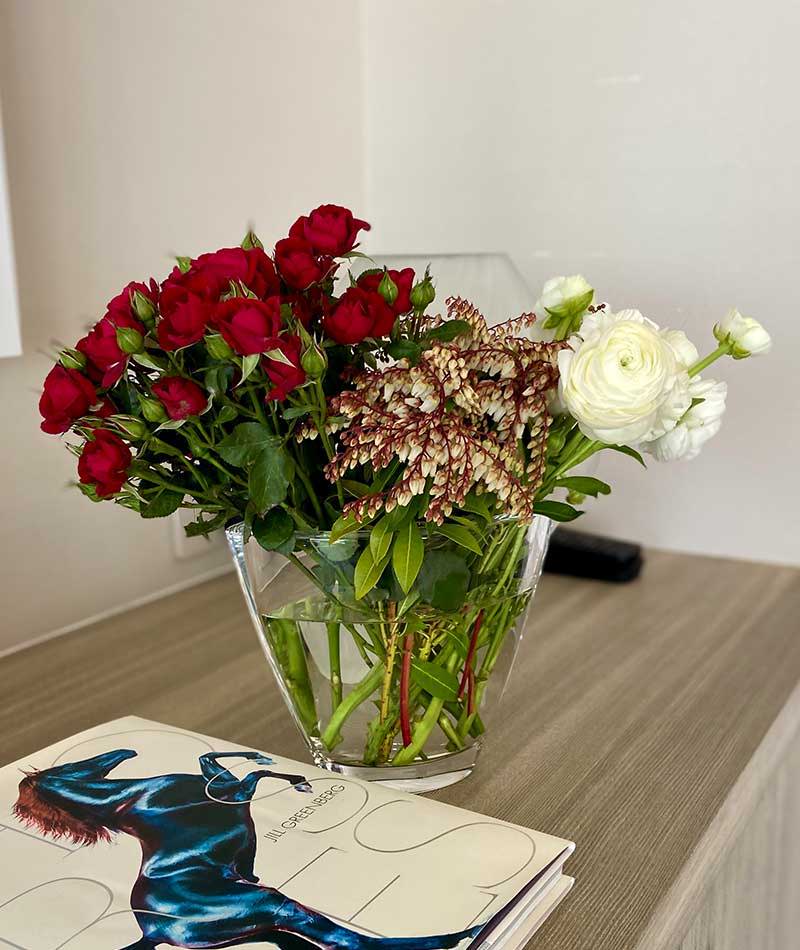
{"x":746,"y":335}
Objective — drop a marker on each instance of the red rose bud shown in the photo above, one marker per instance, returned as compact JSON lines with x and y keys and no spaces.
{"x":403,"y":281}
{"x":329,"y":229}
{"x":314,"y":361}
{"x":104,"y":462}
{"x":152,"y":409}
{"x":251,"y":240}
{"x":129,"y":340}
{"x":107,"y":361}
{"x":72,"y":359}
{"x":297,"y":263}
{"x":285,"y":374}
{"x":67,"y":395}
{"x":184,"y":317}
{"x":423,"y":294}
{"x":359,"y":314}
{"x":180,"y":397}
{"x":131,"y":426}
{"x":123,"y":306}
{"x":217,"y":348}
{"x":249,"y":326}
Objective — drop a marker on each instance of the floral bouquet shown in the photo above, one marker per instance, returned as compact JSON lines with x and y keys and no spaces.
{"x":406,"y":464}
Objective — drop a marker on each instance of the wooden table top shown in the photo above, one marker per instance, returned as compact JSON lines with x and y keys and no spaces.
{"x":641,"y":720}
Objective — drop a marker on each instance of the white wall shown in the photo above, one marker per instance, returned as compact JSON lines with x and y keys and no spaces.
{"x":136,"y":130}
{"x":655,"y":147}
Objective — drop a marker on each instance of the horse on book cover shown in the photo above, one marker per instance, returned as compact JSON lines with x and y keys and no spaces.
{"x":196,"y":887}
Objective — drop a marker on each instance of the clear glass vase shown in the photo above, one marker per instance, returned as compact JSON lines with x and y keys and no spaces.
{"x":399,"y":687}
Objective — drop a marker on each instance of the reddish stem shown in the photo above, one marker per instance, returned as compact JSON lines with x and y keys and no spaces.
{"x":471,"y":693}
{"x":405,"y":679}
{"x":473,"y":643}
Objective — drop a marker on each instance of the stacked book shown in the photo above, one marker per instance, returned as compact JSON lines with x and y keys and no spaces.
{"x":139,"y":835}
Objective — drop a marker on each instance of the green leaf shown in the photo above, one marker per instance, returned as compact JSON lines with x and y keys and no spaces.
{"x":151,"y":362}
{"x":584,"y":485}
{"x":184,"y":263}
{"x":354,"y":488}
{"x":627,"y":450}
{"x":447,"y":331}
{"x":226,"y":414}
{"x":217,"y":379}
{"x":344,"y":524}
{"x":405,"y":350}
{"x":171,"y":424}
{"x":556,"y":510}
{"x":368,"y":572}
{"x":461,"y":535}
{"x":380,"y":539}
{"x":443,"y":580}
{"x":247,"y":441}
{"x":435,"y":679}
{"x":294,"y":412}
{"x":268,"y":478}
{"x":274,"y":529}
{"x":407,"y":554}
{"x":478,"y":505}
{"x":164,"y":503}
{"x":249,"y":363}
{"x":202,"y":528}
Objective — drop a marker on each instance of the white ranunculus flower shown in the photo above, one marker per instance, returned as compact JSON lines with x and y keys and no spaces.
{"x":747,"y":335}
{"x":701,"y":423}
{"x":560,"y":290}
{"x":623,"y":379}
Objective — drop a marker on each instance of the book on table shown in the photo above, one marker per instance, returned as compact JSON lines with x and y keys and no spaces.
{"x":139,"y":835}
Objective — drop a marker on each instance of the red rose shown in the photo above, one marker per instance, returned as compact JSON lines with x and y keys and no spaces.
{"x":67,"y":395}
{"x":297,"y":263}
{"x":184,"y":317}
{"x":249,"y":326}
{"x":404,"y":280}
{"x":210,"y":275}
{"x":107,"y":362}
{"x":285,"y":376}
{"x":180,"y":397}
{"x":121,"y":306}
{"x":329,"y":229}
{"x":104,"y":462}
{"x":358,"y":314}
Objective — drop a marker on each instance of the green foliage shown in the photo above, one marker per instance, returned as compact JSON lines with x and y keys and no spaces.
{"x":273,"y":529}
{"x":584,"y":485}
{"x":434,"y":679}
{"x":247,"y":441}
{"x":380,"y":539}
{"x":556,"y":510}
{"x":444,"y":579}
{"x":462,"y":535}
{"x":407,"y":555}
{"x":368,"y":572}
{"x":164,"y":502}
{"x":447,"y":331}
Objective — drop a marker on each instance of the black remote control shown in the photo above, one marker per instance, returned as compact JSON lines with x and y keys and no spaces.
{"x":593,"y":556}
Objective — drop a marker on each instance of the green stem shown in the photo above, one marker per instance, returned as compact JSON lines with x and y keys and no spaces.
{"x":722,"y":350}
{"x":291,"y":654}
{"x":334,"y":652}
{"x":447,"y":728}
{"x":357,"y":695}
{"x":425,"y":726}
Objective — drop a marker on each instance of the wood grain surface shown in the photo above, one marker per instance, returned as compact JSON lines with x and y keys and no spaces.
{"x":635,"y":722}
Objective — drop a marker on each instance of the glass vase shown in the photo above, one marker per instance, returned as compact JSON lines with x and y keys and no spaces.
{"x":400,"y":686}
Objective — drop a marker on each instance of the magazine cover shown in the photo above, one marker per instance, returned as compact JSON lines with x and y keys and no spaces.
{"x":139,"y":835}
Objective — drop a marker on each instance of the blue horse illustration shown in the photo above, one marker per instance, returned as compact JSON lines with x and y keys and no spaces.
{"x":196,"y":886}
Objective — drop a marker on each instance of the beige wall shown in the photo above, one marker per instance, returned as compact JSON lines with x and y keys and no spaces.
{"x":655,"y":147}
{"x":135,"y":130}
